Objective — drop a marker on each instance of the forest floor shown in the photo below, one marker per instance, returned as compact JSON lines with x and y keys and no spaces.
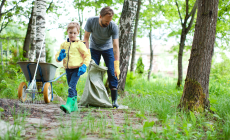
{"x":48,"y":121}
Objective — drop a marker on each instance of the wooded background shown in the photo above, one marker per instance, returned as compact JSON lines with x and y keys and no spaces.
{"x":23,"y":27}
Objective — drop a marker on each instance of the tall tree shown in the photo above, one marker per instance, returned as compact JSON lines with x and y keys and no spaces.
{"x":27,"y":40}
{"x":151,"y":46}
{"x":151,"y":53}
{"x":186,"y":25}
{"x":195,"y":94}
{"x":151,"y":18}
{"x":125,"y":38}
{"x":135,"y":36}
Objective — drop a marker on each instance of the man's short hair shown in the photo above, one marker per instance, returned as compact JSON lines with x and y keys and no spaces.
{"x":106,"y":10}
{"x":72,"y":25}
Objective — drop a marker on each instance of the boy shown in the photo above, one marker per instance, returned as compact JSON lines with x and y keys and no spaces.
{"x":75,"y":58}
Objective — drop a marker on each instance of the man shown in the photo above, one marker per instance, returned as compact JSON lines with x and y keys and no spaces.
{"x":103,"y":33}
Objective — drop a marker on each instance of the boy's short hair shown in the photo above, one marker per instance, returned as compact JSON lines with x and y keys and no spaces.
{"x":106,"y":10}
{"x":72,"y":25}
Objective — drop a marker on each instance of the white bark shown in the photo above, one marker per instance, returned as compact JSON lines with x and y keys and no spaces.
{"x":40,"y":29}
{"x":125,"y":38}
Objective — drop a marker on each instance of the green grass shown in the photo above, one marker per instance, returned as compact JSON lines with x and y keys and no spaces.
{"x":161,"y":98}
{"x":158,"y":98}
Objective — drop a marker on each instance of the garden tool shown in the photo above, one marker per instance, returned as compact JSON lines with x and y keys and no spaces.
{"x":33,"y":87}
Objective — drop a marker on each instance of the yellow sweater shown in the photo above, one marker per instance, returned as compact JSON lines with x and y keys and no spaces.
{"x":76,"y":54}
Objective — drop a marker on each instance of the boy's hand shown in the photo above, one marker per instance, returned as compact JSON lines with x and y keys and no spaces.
{"x":62,"y":55}
{"x":81,"y":70}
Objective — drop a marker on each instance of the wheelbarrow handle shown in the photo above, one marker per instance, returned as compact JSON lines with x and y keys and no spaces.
{"x":57,"y":78}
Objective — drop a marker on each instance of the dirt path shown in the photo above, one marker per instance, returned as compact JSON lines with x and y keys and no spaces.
{"x":47,"y":121}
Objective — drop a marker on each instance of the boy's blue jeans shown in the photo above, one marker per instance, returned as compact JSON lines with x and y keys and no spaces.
{"x":109,"y":61}
{"x":72,"y":79}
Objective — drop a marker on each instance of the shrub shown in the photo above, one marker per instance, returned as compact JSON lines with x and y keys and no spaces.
{"x":140,"y":66}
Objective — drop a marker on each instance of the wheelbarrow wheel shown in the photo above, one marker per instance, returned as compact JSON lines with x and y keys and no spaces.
{"x":22,"y":92}
{"x":47,"y":92}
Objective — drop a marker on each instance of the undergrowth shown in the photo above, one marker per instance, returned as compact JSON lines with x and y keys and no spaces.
{"x":157,"y":97}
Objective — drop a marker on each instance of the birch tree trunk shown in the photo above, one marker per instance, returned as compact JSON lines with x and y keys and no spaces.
{"x":31,"y":53}
{"x":26,"y":45}
{"x":40,"y":29}
{"x":135,"y":36}
{"x":195,"y":95}
{"x":80,"y":16}
{"x":125,"y":38}
{"x":151,"y":53}
{"x":185,"y":29}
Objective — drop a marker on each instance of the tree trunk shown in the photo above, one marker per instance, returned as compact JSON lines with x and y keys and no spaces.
{"x":26,"y":45}
{"x":40,"y":29}
{"x":80,"y":16}
{"x":134,"y":36}
{"x":195,"y":95}
{"x":125,"y":38}
{"x":31,"y":53}
{"x":180,"y":56}
{"x":185,"y":29}
{"x":151,"y":53}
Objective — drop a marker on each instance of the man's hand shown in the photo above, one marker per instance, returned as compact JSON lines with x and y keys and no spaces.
{"x":81,"y":70}
{"x":62,"y":55}
{"x":117,"y":69}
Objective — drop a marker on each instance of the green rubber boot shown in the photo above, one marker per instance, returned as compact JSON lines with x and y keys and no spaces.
{"x":68,"y":107}
{"x":75,"y":107}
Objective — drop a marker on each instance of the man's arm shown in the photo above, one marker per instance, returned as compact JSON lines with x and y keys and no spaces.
{"x":116,"y":49}
{"x":86,"y":39}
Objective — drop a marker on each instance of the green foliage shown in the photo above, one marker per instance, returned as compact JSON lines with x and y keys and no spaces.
{"x":140,"y":66}
{"x":48,"y":55}
{"x":11,"y":10}
{"x":130,"y":78}
{"x":60,"y":87}
{"x":221,"y":70}
{"x":9,"y":82}
{"x":156,"y":98}
{"x":150,"y":17}
{"x":222,"y":26}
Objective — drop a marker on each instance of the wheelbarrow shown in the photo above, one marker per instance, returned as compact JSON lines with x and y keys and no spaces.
{"x":45,"y":76}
